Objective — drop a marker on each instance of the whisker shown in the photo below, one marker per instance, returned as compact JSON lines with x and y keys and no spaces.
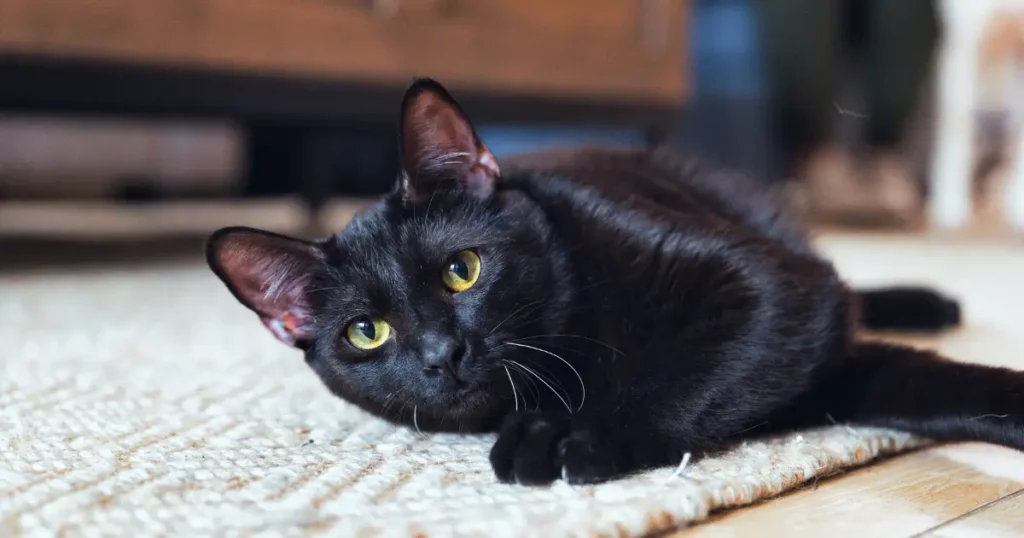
{"x":388,"y":402}
{"x":533,"y":386}
{"x":514,"y":312}
{"x":318,"y":290}
{"x":754,"y":427}
{"x":529,"y":375}
{"x":593,"y":285}
{"x":583,"y":387}
{"x":539,"y":367}
{"x":414,"y":421}
{"x":571,"y":336}
{"x":546,"y":384}
{"x":562,"y":347}
{"x":534,"y":319}
{"x":515,"y":395}
{"x":401,"y":411}
{"x":432,"y":194}
{"x":525,"y":319}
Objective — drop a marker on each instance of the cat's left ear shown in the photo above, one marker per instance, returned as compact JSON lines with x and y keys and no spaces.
{"x":439,"y":147}
{"x":270,"y":274}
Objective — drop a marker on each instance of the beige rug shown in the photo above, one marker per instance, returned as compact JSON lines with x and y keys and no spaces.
{"x":145,"y":402}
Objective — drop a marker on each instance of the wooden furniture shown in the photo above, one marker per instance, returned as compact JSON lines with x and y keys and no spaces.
{"x":571,"y":48}
{"x":301,"y":76}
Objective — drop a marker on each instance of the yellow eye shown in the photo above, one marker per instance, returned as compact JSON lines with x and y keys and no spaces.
{"x":462,"y":271}
{"x":366,"y":333}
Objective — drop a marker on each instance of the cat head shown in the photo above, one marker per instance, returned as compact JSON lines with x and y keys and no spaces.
{"x":406,"y":311}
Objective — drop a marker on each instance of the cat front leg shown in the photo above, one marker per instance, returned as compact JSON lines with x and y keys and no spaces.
{"x":537,"y":448}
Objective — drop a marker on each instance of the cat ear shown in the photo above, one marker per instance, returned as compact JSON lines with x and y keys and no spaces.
{"x":269,"y":274}
{"x":439,"y":148}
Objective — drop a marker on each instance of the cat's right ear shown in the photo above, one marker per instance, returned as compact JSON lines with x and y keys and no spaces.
{"x":439,"y":147}
{"x":269,"y":274}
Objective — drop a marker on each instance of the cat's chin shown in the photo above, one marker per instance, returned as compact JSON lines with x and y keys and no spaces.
{"x":465,"y":399}
{"x":462,"y":404}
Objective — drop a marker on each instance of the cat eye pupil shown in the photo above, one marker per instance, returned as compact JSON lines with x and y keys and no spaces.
{"x":461,"y":272}
{"x":368,"y":333}
{"x":459,"y":269}
{"x":365,"y":327}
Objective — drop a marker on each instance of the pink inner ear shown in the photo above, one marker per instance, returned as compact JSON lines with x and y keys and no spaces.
{"x":486,"y":161}
{"x":277,"y":290}
{"x":270,"y":274}
{"x":439,"y":141}
{"x":434,"y":125}
{"x":286,"y":328}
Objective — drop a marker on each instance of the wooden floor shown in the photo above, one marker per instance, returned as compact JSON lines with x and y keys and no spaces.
{"x":969,"y":490}
{"x":949,"y":491}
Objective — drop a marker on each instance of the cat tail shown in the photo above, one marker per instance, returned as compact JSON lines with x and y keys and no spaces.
{"x":920,"y":392}
{"x":907,"y":309}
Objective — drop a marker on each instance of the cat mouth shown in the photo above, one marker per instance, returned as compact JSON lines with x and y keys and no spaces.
{"x":465,"y":395}
{"x":468,"y":401}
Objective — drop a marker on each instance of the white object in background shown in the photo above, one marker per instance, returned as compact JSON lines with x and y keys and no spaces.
{"x":964,"y":25}
{"x":1013,"y":205}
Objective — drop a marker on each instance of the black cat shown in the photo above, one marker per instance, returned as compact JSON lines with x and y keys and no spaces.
{"x":605,"y":311}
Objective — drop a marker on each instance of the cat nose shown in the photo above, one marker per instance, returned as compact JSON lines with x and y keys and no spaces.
{"x":439,"y":352}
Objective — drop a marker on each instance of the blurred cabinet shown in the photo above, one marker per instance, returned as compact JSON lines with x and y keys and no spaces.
{"x":631,"y":50}
{"x":313,"y":85}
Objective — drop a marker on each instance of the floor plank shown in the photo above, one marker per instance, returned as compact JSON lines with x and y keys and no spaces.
{"x":1002,"y":518}
{"x":901,"y":497}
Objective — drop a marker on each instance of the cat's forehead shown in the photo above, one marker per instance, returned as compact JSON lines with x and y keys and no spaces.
{"x":391,"y":234}
{"x":442,"y":226}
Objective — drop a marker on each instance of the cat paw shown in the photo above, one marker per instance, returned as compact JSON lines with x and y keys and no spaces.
{"x":537,"y":448}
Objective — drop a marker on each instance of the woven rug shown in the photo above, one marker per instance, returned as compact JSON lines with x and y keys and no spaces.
{"x":145,"y":401}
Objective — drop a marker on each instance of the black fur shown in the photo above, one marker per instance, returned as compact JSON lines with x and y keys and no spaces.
{"x":632,"y":307}
{"x":910,"y":309}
